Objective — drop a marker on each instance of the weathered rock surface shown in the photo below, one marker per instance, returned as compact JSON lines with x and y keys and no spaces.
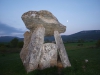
{"x":33,"y":19}
{"x":37,"y":55}
{"x":24,"y":51}
{"x":48,"y":56}
{"x":61,"y":50}
{"x":34,"y":49}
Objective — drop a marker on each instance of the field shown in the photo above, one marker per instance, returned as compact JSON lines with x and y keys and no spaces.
{"x":85,"y":60}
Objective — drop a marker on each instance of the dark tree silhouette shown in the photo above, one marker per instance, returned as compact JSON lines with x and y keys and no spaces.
{"x":98,"y":43}
{"x":20,"y":44}
{"x":14,"y":42}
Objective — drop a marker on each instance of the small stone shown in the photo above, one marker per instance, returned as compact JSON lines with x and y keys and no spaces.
{"x":59,"y":64}
{"x":86,"y":60}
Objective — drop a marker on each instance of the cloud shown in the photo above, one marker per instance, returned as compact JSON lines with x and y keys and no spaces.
{"x":6,"y":30}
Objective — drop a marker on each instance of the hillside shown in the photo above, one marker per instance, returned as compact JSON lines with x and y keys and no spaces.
{"x":84,"y":35}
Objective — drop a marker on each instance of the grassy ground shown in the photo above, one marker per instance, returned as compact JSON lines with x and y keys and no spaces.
{"x":10,"y":64}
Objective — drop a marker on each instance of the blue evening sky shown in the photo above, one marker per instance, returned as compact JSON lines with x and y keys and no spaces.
{"x":77,"y":15}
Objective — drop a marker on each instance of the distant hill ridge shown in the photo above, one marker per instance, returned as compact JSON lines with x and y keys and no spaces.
{"x":9,"y":38}
{"x":84,"y":35}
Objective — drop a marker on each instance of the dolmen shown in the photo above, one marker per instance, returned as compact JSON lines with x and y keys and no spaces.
{"x":36,"y":54}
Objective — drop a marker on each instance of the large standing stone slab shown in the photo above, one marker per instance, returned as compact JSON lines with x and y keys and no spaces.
{"x":48,"y":55}
{"x":24,"y":51}
{"x":35,"y":46}
{"x":61,"y":50}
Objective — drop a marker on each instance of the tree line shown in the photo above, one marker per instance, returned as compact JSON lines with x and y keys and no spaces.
{"x":14,"y":43}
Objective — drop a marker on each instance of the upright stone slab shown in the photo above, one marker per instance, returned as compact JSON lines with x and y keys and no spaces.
{"x":24,"y":51}
{"x":61,"y":50}
{"x":48,"y":55}
{"x":35,"y":46}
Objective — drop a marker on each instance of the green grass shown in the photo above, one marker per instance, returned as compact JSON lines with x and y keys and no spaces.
{"x":11,"y":64}
{"x":74,"y":46}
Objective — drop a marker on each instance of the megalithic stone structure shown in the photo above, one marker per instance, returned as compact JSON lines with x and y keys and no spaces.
{"x":36,"y":54}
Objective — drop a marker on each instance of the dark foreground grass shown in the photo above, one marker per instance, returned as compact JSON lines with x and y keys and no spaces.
{"x":10,"y":64}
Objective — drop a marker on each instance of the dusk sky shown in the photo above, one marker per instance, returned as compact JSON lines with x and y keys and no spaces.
{"x":77,"y":15}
